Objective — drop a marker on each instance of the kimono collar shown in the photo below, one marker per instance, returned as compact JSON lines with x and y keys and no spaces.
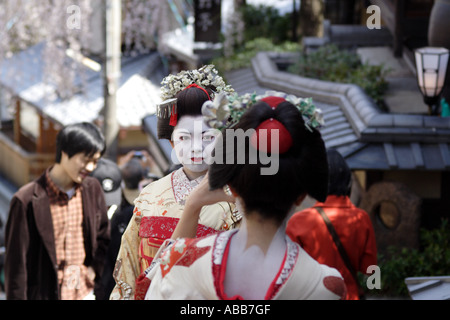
{"x":182,"y":186}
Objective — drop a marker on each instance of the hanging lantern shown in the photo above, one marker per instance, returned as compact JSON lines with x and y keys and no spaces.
{"x":431,"y":67}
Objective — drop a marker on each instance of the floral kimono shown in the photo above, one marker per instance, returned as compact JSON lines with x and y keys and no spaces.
{"x":156,"y":214}
{"x":195,"y":269}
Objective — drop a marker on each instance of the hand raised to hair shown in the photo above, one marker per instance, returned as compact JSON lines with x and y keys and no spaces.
{"x":201,"y":196}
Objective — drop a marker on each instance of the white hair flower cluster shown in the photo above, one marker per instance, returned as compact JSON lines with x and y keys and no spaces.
{"x":226,"y":111}
{"x":206,"y":77}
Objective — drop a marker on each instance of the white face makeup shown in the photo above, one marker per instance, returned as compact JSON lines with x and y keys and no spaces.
{"x":193,"y":143}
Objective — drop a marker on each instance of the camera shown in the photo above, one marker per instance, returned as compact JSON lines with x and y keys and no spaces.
{"x":139,"y":155}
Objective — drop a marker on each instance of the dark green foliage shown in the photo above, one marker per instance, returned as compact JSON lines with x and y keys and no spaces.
{"x":265,"y":21}
{"x":432,"y":259}
{"x":242,"y":58}
{"x":332,"y":64}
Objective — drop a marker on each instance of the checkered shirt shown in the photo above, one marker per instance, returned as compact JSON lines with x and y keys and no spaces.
{"x":74,"y":278}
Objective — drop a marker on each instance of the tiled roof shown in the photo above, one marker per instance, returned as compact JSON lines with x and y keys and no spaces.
{"x":137,"y":96}
{"x":368,"y":138}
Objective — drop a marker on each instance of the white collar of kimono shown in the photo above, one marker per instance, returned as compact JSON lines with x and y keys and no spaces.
{"x":182,"y":186}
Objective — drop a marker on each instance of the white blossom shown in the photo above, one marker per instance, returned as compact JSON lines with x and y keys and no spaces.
{"x":204,"y":77}
{"x":24,"y":23}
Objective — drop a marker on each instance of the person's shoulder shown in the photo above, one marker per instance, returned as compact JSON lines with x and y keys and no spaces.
{"x":307,"y":215}
{"x":91,"y":182}
{"x":305,"y":211}
{"x":158,"y":183}
{"x":360,"y":213}
{"x":26,"y":192}
{"x":323,"y":274}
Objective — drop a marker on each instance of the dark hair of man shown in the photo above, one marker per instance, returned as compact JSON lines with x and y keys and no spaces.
{"x":82,"y":137}
{"x":189,"y":102}
{"x":340,"y":176}
{"x":302,"y":169}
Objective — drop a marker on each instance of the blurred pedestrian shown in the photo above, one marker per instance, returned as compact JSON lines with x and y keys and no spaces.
{"x":353,"y":228}
{"x":108,"y":174}
{"x":57,"y":231}
{"x":133,"y":175}
{"x":145,"y":159}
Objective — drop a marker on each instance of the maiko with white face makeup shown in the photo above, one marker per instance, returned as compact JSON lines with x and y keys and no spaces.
{"x":161,"y":203}
{"x":193,"y":143}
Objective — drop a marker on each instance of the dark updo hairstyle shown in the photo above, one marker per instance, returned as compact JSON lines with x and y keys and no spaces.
{"x":189,"y":102}
{"x":302,"y":169}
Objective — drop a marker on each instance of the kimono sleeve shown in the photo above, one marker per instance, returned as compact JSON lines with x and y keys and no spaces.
{"x":332,"y":286}
{"x":169,"y":282}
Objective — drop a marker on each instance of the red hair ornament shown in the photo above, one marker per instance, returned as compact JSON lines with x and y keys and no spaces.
{"x":173,"y":116}
{"x":174,"y":113}
{"x":272,"y":131}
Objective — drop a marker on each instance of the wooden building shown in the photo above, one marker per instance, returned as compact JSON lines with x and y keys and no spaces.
{"x":36,"y":111}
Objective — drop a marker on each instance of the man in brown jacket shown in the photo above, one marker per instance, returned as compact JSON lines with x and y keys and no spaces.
{"x":58,"y":230}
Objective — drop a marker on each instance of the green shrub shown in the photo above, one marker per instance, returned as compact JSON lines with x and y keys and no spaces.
{"x":242,"y":58}
{"x":432,"y":259}
{"x":332,"y":64}
{"x":264,"y":29}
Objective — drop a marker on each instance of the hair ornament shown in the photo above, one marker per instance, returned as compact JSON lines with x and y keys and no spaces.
{"x":205,"y":77}
{"x":227,"y":190}
{"x":194,"y":85}
{"x":217,"y":112}
{"x":224,"y":112}
{"x":165,"y":109}
{"x":262,"y":138}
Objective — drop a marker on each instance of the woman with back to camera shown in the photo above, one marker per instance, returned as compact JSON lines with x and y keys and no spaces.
{"x":258,"y":260}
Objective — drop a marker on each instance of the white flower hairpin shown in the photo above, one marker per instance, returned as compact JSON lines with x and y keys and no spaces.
{"x":226,"y":110}
{"x":216,"y":113}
